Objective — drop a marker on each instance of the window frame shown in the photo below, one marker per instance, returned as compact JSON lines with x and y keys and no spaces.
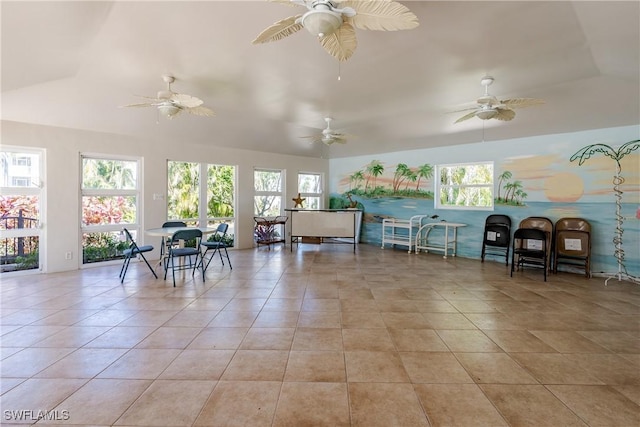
{"x":280,"y":194}
{"x":37,"y":189}
{"x":203,"y":219}
{"x":134,"y":227}
{"x":439,"y":186}
{"x":307,"y":195}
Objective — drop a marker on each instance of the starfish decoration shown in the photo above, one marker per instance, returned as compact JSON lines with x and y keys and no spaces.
{"x":298,"y":201}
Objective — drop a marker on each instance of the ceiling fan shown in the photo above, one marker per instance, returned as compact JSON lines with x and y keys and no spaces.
{"x":334,"y":26}
{"x":489,"y":107}
{"x":170,"y":103}
{"x":329,"y":136}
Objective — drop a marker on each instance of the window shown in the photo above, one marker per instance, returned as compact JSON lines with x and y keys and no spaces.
{"x":21,"y":209}
{"x":110,"y":200}
{"x":20,"y":181}
{"x":268,"y":192}
{"x":465,"y":186}
{"x":185,"y":193}
{"x":310,"y":188}
{"x":22,"y":161}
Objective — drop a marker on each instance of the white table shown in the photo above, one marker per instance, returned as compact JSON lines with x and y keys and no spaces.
{"x":168,"y":231}
{"x":450,"y":239}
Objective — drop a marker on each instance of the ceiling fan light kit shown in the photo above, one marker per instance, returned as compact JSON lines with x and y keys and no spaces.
{"x":168,"y":109}
{"x":322,"y":22}
{"x":487,"y":114}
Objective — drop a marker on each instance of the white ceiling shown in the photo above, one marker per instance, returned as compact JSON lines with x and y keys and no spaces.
{"x":72,"y":64}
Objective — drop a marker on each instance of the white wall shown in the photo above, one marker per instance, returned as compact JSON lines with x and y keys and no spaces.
{"x":63,"y":148}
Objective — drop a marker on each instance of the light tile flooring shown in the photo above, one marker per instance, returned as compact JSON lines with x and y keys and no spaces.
{"x":322,"y":336}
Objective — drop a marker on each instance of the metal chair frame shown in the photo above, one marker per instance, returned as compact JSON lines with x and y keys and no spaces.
{"x":177,"y":251}
{"x":499,"y":242}
{"x":217,"y":245}
{"x":523,"y":255}
{"x":134,"y":250}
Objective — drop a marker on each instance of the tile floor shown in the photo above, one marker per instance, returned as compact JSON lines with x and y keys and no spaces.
{"x":321,"y":336}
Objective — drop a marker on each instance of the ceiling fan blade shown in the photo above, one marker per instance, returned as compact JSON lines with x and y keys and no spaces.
{"x":475,"y":107}
{"x":504,"y":114}
{"x":279,"y":30}
{"x":186,"y":100}
{"x":201,"y":111}
{"x":340,"y":140}
{"x":521,"y":102}
{"x":341,"y":43}
{"x":381,"y":15}
{"x":144,"y":104}
{"x":290,"y":2}
{"x":467,"y":116}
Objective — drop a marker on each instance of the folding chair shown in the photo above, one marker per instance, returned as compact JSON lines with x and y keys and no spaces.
{"x":217,"y":244}
{"x":177,"y":250}
{"x":133,"y":251}
{"x":164,"y":249}
{"x":530,"y":247}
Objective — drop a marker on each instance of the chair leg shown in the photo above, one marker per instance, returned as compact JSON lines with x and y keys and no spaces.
{"x":173,"y":271}
{"x":210,"y":258}
{"x":227,"y":254}
{"x":220,"y":253}
{"x":149,"y":265}
{"x":125,"y":267}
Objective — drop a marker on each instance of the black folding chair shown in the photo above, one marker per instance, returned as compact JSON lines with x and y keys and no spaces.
{"x":177,"y":250}
{"x":530,"y":248}
{"x":216,"y":244}
{"x":133,"y":251}
{"x":164,"y":249}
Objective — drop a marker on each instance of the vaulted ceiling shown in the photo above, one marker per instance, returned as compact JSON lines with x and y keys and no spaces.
{"x":73,"y":64}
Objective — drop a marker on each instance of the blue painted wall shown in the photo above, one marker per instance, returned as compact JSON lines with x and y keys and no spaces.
{"x":555,"y":187}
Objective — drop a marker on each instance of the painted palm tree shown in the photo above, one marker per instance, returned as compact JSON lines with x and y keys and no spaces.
{"x":425,"y":171}
{"x":356,"y":179}
{"x":504,"y":176}
{"x":515,"y":187}
{"x":399,"y":175}
{"x":411,"y":176}
{"x":584,"y":154}
{"x":376,"y":171}
{"x":373,"y":169}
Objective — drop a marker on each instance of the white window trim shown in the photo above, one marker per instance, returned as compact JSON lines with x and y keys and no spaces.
{"x":439,"y":186}
{"x":39,"y":191}
{"x":136,"y":228}
{"x":319,"y":195}
{"x":281,"y":193}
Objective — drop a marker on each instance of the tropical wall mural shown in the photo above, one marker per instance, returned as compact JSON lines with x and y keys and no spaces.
{"x":531,"y":177}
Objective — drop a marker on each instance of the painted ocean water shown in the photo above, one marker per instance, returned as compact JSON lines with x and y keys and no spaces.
{"x":600,"y":215}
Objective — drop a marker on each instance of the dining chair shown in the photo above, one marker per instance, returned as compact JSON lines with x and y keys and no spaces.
{"x":216,"y":243}
{"x":133,"y":251}
{"x":190,"y":249}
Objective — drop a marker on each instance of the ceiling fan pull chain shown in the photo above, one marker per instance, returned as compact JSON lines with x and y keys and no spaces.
{"x":339,"y":70}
